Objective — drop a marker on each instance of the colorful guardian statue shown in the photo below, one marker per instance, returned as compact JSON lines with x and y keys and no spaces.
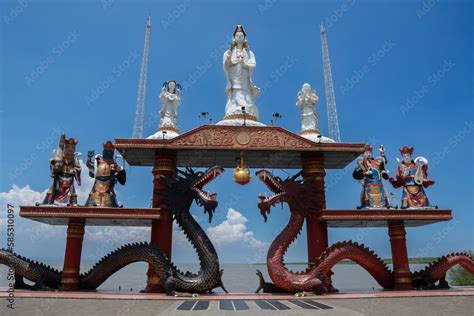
{"x":371,"y":172}
{"x":239,"y":64}
{"x":412,"y":175}
{"x":170,"y":101}
{"x":106,"y":171}
{"x":64,"y":168}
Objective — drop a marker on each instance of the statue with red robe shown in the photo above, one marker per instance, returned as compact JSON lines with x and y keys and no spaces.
{"x":64,"y":168}
{"x":412,"y":175}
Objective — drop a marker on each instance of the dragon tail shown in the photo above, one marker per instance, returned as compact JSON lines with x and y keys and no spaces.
{"x":437,"y":270}
{"x":34,"y":271}
{"x":121,"y":257}
{"x":361,"y":255}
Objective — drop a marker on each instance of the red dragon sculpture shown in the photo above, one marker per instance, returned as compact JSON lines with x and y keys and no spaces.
{"x":301,"y":197}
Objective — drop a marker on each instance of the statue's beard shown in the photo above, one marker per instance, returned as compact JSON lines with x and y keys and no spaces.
{"x":69,"y":158}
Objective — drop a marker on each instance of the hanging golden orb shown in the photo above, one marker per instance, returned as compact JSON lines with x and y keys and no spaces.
{"x":241,"y":172}
{"x":242,"y":175}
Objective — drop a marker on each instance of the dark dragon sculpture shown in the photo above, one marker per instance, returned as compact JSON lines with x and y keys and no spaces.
{"x":185,"y":187}
{"x":301,"y":196}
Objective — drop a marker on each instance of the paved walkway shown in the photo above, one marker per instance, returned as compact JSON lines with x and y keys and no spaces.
{"x":451,"y":302}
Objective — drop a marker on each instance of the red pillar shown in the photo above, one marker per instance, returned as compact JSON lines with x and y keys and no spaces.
{"x":401,"y":268}
{"x":161,"y":230}
{"x":72,"y":255}
{"x":317,"y":231}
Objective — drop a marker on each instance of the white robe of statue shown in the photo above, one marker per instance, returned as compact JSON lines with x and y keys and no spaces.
{"x":306,"y":101}
{"x":239,"y":63}
{"x":169,"y":110}
{"x":170,"y":101}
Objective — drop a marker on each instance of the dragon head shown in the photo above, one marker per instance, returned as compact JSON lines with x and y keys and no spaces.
{"x":292,"y":191}
{"x":187,"y":186}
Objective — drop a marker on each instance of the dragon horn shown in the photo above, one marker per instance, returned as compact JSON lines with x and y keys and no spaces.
{"x":181,"y":172}
{"x":296,"y":175}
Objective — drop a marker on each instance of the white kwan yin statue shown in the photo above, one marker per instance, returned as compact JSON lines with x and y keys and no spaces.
{"x":170,"y":101}
{"x":306,"y":101}
{"x":239,"y":63}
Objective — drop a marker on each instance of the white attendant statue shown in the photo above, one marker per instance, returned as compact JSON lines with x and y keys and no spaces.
{"x":170,"y":101}
{"x":239,"y":63}
{"x":306,"y":101}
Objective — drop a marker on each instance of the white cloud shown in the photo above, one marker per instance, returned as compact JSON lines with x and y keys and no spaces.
{"x":21,"y":196}
{"x":36,"y":231}
{"x":86,"y":185}
{"x":17,"y":196}
{"x":119,"y":235}
{"x":234,"y":231}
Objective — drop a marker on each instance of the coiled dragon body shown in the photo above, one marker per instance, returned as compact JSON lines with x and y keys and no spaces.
{"x":300,"y":196}
{"x":184,"y":188}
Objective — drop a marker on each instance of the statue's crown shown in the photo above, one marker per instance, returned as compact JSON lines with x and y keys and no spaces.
{"x":70,"y":142}
{"x":240,"y":28}
{"x":406,"y":150}
{"x":368,"y":148}
{"x":108,"y":145}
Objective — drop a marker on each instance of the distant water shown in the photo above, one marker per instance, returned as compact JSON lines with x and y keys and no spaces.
{"x":238,"y":278}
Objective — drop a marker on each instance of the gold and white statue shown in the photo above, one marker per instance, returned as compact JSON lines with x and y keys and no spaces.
{"x":239,"y":63}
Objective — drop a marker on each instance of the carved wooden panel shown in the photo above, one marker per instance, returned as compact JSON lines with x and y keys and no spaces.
{"x":230,"y":136}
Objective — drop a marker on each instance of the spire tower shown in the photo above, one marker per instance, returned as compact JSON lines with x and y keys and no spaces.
{"x":138,"y":123}
{"x":333,"y":123}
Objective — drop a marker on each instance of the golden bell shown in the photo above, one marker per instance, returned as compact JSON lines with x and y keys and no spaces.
{"x":242,"y":175}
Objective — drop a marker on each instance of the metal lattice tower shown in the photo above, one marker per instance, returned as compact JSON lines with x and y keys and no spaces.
{"x":333,"y":123}
{"x":138,"y":123}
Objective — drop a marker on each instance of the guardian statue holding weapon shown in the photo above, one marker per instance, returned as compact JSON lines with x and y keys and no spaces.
{"x":107,"y":172}
{"x":371,"y":172}
{"x":64,"y":168}
{"x":413,"y":177}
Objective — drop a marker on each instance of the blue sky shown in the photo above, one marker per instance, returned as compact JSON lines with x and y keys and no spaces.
{"x":402,"y":72}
